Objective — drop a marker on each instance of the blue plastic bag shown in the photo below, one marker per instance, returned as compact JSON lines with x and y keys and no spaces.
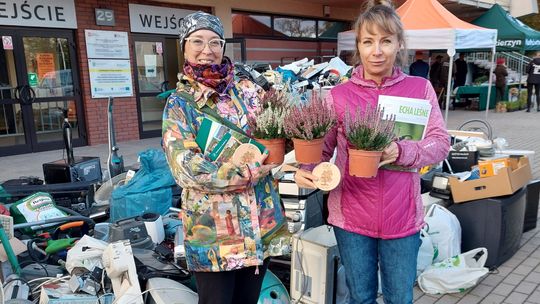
{"x":148,"y":191}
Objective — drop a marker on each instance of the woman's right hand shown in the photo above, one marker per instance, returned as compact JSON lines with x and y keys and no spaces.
{"x":304,"y":179}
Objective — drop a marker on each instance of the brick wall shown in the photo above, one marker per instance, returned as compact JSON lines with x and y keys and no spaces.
{"x":125,"y":108}
{"x":95,"y":110}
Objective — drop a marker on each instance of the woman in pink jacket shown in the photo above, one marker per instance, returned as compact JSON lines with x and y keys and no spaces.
{"x":377,"y":220}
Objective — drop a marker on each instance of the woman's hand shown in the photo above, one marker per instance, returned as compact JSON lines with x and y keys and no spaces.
{"x":304,"y":179}
{"x":390,"y":154}
{"x":256,"y":170}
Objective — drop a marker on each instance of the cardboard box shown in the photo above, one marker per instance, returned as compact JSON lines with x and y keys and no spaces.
{"x":506,"y":182}
{"x":489,"y":168}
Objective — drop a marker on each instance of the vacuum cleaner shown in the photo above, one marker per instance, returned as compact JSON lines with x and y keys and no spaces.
{"x":115,"y":162}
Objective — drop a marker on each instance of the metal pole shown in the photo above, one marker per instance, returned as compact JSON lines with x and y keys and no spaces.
{"x":490,"y":80}
{"x":521,"y":60}
{"x":451,"y":53}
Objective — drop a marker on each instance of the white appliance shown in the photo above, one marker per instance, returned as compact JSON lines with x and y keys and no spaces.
{"x":120,"y":267}
{"x":167,"y":291}
{"x":314,"y":271}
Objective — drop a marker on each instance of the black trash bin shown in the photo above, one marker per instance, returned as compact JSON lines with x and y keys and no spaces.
{"x":494,"y":223}
{"x":531,"y":206}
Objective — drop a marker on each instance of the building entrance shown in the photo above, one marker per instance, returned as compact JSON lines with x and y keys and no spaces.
{"x":39,"y":85}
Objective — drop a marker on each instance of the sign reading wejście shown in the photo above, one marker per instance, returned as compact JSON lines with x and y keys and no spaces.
{"x":38,"y":13}
{"x":155,"y":19}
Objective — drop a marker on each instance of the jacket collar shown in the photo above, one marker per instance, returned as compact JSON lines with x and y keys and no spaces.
{"x":357,"y":77}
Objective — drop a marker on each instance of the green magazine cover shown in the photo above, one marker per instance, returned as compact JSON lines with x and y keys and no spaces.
{"x":412,"y":117}
{"x":219,"y":142}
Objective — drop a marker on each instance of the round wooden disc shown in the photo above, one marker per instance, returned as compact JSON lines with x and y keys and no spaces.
{"x":328,"y":174}
{"x":246,"y":154}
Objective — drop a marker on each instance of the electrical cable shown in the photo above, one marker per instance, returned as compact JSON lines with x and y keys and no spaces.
{"x":98,"y":301}
{"x":27,"y":263}
{"x":15,"y":279}
{"x":31,"y":252}
{"x":50,"y":281}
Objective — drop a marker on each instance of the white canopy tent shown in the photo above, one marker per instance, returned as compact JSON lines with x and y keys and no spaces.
{"x":429,"y":26}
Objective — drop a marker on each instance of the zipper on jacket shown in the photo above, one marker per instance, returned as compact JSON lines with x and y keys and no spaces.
{"x":380,"y":177}
{"x":381,"y":204}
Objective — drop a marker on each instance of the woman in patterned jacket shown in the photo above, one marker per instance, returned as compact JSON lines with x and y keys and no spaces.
{"x":231,"y":214}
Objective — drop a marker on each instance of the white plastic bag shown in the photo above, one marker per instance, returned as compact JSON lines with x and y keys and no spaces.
{"x":455,"y":274}
{"x":445,"y":232}
{"x":86,"y":253}
{"x":426,"y":254}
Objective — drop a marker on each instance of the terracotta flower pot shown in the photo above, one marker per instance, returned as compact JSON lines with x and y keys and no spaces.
{"x":276,"y":148}
{"x":364,"y":163}
{"x":308,"y":151}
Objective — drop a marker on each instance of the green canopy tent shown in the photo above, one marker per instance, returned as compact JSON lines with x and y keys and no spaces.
{"x":512,"y":35}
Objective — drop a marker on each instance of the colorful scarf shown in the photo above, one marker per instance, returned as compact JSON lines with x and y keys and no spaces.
{"x":218,"y":77}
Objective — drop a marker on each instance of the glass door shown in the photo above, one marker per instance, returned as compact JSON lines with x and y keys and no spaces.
{"x":157,"y":65}
{"x":39,"y":86}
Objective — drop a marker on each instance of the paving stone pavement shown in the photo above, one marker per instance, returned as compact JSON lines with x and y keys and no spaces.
{"x":515,"y":281}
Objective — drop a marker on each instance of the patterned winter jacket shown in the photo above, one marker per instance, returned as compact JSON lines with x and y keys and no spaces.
{"x":227,"y":225}
{"x":389,"y":205}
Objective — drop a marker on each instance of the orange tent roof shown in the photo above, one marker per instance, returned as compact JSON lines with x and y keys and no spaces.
{"x":429,"y":14}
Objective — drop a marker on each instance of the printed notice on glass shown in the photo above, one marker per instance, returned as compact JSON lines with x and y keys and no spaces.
{"x":110,"y":78}
{"x":107,"y":44}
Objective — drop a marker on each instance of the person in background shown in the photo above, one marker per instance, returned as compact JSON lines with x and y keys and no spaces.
{"x":500,"y":79}
{"x":419,"y":68}
{"x":377,"y":220}
{"x":461,"y":71}
{"x":435,"y":72}
{"x":229,"y":264}
{"x":533,"y":81}
{"x":445,"y":69}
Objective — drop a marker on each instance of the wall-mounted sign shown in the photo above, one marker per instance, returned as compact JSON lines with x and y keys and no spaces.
{"x":38,"y":13}
{"x":110,"y":78}
{"x":7,"y":42}
{"x":155,"y":19}
{"x":105,"y":17}
{"x":107,"y":44}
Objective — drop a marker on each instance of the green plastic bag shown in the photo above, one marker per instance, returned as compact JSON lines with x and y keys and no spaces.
{"x":36,"y":207}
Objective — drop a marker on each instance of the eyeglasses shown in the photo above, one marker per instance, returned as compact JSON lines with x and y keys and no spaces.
{"x":199,"y":44}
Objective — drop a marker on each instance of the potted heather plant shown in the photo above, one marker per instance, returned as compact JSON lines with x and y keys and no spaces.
{"x":368,"y":133}
{"x":307,"y":124}
{"x":266,"y":125}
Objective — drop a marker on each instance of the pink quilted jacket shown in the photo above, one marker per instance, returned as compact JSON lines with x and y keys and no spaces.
{"x":389,"y":205}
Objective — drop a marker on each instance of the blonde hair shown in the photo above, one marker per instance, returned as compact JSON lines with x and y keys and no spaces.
{"x":381,"y":14}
